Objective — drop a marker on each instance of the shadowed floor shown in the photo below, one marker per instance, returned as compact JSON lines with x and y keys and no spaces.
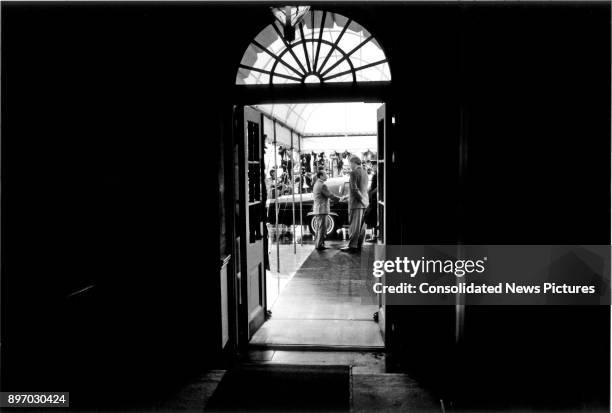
{"x":283,"y":387}
{"x":371,"y":388}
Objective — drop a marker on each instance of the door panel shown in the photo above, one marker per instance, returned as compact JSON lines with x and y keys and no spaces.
{"x":252,"y":187}
{"x":382,"y":167}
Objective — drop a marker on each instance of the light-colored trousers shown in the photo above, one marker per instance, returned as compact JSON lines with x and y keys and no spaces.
{"x":321,"y":231}
{"x":357,"y":229}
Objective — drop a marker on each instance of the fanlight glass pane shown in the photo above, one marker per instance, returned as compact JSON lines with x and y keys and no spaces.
{"x":340,"y":68}
{"x":374,"y":73}
{"x":283,"y":71}
{"x":299,"y":52}
{"x":325,"y":44}
{"x":289,"y":61}
{"x":251,"y":77}
{"x":267,"y":37}
{"x":340,"y":79}
{"x":369,"y":53}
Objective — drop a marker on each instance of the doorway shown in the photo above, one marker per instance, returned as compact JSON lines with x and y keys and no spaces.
{"x":295,"y":296}
{"x":293,"y":68}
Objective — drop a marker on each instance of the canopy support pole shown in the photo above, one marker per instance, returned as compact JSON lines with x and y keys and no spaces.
{"x":293,"y":193}
{"x":302,"y":178}
{"x":276,"y":207}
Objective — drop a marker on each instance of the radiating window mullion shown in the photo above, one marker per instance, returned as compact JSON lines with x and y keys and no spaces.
{"x":305,"y":48}
{"x":290,"y":49}
{"x":348,"y":22}
{"x":316,"y":59}
{"x":346,"y":72}
{"x":277,"y":58}
{"x":270,"y":73}
{"x":312,"y":36}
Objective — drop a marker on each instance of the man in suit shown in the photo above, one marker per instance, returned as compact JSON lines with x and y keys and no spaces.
{"x":272,"y":186}
{"x":358,"y":202}
{"x":321,"y":196}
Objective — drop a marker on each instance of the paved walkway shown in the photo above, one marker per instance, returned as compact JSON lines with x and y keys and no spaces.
{"x":290,"y":262}
{"x":328,"y":302}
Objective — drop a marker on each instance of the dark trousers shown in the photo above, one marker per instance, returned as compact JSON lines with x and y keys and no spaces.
{"x":357,"y":228}
{"x":321,"y":231}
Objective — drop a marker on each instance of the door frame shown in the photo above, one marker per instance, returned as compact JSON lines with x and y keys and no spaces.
{"x":249,"y":95}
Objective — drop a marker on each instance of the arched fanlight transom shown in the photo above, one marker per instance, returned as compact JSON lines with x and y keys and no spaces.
{"x":327,"y":47}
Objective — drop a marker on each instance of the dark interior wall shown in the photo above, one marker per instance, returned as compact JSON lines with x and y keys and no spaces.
{"x":502,"y":137}
{"x":112,"y":119}
{"x":537,"y":110}
{"x":537,"y":127}
{"x":110,"y":133}
{"x":422,"y":179}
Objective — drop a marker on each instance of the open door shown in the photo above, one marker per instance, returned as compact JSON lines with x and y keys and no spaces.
{"x":383,"y":127}
{"x":251,"y":226}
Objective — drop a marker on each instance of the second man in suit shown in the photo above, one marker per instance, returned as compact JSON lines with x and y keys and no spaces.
{"x":321,"y":195}
{"x":358,"y":202}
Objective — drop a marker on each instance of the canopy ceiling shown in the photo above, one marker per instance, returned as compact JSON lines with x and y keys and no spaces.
{"x":351,"y":118}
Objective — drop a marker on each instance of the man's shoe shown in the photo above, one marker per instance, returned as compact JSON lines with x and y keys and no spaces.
{"x":321,"y":248}
{"x":349,"y":249}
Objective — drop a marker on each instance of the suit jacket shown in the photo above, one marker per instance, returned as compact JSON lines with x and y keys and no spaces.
{"x":373,"y":186}
{"x":321,"y":196}
{"x":358,"y":189}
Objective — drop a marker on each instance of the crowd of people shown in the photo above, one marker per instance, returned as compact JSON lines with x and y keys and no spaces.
{"x":361,"y":198}
{"x":278,"y":183}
